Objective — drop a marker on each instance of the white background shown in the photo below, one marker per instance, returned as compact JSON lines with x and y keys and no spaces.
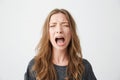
{"x":98,"y":23}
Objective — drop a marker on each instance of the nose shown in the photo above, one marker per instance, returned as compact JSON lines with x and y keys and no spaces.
{"x":59,"y":29}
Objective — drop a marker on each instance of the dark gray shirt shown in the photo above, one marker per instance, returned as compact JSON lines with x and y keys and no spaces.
{"x":61,"y":71}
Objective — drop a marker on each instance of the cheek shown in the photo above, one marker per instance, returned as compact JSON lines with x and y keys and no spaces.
{"x":51,"y":33}
{"x":68,"y":32}
{"x":68,"y":35}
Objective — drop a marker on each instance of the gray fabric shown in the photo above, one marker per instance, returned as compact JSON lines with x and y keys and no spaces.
{"x":61,"y":71}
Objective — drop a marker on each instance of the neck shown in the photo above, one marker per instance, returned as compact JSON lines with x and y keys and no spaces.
{"x":60,"y":57}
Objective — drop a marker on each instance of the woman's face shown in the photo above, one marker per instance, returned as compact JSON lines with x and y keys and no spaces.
{"x":59,"y":31}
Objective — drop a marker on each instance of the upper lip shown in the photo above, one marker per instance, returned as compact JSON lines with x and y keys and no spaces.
{"x":59,"y":37}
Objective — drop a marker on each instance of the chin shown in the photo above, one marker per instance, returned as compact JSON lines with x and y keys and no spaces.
{"x":61,"y":48}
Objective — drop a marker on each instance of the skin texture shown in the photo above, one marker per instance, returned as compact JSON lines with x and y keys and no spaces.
{"x":59,"y":28}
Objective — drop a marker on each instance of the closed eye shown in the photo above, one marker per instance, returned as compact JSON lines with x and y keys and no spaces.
{"x":52,"y":25}
{"x":66,"y":25}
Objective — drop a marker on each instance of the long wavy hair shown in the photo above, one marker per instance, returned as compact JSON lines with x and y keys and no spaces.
{"x":44,"y":67}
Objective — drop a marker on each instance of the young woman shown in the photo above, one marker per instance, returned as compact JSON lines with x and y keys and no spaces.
{"x":59,"y":55}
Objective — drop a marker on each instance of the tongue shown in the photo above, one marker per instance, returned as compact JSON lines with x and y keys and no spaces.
{"x":60,"y":41}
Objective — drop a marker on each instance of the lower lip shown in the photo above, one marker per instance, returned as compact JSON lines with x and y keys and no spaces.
{"x":60,"y":44}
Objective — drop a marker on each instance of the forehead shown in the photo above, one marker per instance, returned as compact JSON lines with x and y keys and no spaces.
{"x":58,"y":17}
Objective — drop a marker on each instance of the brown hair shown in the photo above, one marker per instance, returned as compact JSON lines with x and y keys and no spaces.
{"x":43,"y":60}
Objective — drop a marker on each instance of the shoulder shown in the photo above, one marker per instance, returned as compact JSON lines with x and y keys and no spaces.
{"x":88,"y":73}
{"x":30,"y":74}
{"x":87,"y":66}
{"x":86,"y":63}
{"x":31,"y":63}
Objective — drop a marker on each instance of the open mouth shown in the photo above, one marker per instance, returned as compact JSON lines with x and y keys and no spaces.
{"x":59,"y":41}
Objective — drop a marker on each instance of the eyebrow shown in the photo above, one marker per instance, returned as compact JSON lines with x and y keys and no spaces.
{"x":61,"y":22}
{"x":65,"y":21}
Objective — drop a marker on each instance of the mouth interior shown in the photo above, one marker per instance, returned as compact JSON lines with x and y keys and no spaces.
{"x":59,"y":40}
